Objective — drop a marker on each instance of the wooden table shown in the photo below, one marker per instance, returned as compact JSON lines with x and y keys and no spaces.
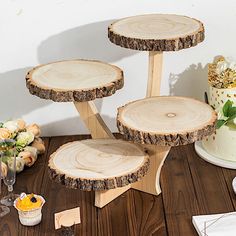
{"x":189,"y":186}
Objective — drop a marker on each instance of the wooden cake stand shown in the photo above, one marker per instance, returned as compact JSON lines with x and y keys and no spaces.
{"x":163,"y":122}
{"x":155,"y":33}
{"x":102,"y":164}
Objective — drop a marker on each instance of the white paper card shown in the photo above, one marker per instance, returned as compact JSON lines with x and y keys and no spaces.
{"x":215,"y":225}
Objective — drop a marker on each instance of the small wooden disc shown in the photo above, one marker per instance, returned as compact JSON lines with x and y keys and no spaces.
{"x":166,"y":121}
{"x":156,"y":32}
{"x":76,"y":80}
{"x":98,"y":164}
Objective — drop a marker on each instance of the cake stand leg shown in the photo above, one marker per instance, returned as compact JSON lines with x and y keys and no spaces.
{"x":151,"y":182}
{"x":98,"y":129}
{"x":154,"y":74}
{"x":92,"y":119}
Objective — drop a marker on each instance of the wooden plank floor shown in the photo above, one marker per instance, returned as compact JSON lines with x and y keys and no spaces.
{"x":189,"y":186}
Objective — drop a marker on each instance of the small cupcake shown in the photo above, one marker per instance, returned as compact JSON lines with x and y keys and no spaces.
{"x":29,"y":207}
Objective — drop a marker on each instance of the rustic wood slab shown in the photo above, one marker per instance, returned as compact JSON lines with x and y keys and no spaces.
{"x":98,"y":164}
{"x":75,"y":80}
{"x":166,"y":121}
{"x":156,"y":32}
{"x":134,"y":213}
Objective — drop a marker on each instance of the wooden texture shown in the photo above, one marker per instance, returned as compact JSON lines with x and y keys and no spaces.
{"x":189,"y":186}
{"x":98,"y":129}
{"x":154,"y":74}
{"x":166,"y":121}
{"x":156,"y":32}
{"x":157,"y":154}
{"x":76,"y":80}
{"x":92,"y":119}
{"x":98,"y":164}
{"x":151,"y":182}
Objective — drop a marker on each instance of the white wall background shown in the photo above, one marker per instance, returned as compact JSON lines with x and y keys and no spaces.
{"x":36,"y":32}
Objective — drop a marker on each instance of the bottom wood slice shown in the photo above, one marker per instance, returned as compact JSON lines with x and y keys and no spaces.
{"x":98,"y":164}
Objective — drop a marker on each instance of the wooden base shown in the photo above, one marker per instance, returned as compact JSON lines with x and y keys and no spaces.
{"x":102,"y":198}
{"x":151,"y":182}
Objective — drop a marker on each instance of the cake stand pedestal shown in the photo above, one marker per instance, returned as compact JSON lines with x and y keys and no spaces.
{"x":103,"y":164}
{"x":155,"y":33}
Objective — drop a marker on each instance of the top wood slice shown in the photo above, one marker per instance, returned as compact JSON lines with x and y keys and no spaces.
{"x":75,"y":80}
{"x":156,"y":32}
{"x":166,"y":121}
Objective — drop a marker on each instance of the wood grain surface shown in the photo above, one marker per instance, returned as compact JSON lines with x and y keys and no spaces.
{"x":74,"y":80}
{"x":189,"y":186}
{"x":156,"y":32}
{"x":166,"y":120}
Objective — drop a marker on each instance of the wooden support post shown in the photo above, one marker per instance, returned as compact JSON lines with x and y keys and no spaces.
{"x":154,"y":74}
{"x":92,"y":119}
{"x":151,"y":182}
{"x":98,"y":129}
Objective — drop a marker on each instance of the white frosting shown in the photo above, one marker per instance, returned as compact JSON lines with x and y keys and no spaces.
{"x":222,"y":144}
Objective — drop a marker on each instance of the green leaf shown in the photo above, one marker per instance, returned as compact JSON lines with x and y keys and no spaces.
{"x":220,"y":123}
{"x":232,"y":111}
{"x":231,"y":118}
{"x":228,"y":105}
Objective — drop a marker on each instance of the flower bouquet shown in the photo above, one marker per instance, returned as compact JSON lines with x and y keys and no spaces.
{"x":28,"y":144}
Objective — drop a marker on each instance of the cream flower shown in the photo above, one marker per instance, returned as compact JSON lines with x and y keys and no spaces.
{"x":12,"y":126}
{"x":34,"y":128}
{"x":39,"y":145}
{"x":21,"y":124}
{"x":4,"y":133}
{"x":20,"y":164}
{"x":24,"y":138}
{"x":29,"y":155}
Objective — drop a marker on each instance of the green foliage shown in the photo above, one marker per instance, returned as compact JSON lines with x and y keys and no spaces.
{"x":220,"y":123}
{"x":227,"y":107}
{"x":229,"y":111}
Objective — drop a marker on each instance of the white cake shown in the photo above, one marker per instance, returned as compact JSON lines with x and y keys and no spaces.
{"x":222,"y":144}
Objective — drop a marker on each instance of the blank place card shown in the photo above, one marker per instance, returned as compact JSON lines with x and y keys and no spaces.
{"x":215,"y":225}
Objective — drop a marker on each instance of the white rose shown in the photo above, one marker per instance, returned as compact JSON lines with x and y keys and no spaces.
{"x":12,"y":126}
{"x":24,"y":138}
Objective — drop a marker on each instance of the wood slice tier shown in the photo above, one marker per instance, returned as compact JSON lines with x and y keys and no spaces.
{"x":98,"y":164}
{"x":166,"y":121}
{"x":75,"y":80}
{"x":156,"y":32}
